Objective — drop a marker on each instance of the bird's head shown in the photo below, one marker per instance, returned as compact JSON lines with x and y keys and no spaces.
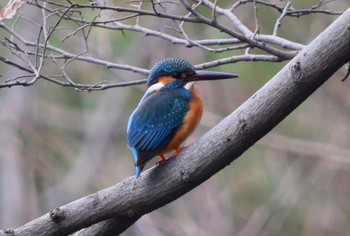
{"x":179,"y":71}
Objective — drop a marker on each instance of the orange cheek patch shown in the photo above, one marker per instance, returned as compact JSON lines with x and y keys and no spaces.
{"x":166,"y":79}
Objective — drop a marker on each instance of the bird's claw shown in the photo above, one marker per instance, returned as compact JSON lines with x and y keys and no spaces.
{"x":162,"y":160}
{"x":178,"y":150}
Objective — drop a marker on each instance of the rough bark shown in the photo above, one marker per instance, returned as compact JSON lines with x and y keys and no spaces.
{"x":117,"y":207}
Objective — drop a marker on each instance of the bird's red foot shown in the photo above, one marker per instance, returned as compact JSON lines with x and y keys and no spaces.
{"x":178,"y":150}
{"x":162,"y":160}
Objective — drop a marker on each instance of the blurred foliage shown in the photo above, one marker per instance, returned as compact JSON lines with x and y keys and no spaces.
{"x":58,"y":144}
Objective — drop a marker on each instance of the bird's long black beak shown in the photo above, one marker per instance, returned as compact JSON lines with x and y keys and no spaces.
{"x":211,"y":75}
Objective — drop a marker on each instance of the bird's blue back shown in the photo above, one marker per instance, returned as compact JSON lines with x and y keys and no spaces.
{"x":155,"y":121}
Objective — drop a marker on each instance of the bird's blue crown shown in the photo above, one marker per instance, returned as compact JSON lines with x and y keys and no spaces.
{"x":169,"y":67}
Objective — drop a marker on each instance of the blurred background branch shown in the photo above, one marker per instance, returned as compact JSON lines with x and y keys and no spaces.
{"x":58,"y":145}
{"x":70,"y":19}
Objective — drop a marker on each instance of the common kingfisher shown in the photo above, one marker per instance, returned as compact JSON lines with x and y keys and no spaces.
{"x":168,"y":112}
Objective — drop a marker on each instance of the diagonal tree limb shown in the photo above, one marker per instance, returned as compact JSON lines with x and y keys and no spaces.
{"x":118,"y":207}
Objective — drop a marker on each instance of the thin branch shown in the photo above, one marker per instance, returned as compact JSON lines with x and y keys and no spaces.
{"x":279,"y":20}
{"x":257,"y":27}
{"x":81,"y":87}
{"x":157,"y":33}
{"x":246,"y":37}
{"x":243,"y":38}
{"x":68,"y":55}
{"x":292,"y":13}
{"x":234,"y":59}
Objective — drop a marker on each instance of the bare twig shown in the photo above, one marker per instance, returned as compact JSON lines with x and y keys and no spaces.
{"x":256,"y":31}
{"x":241,"y":38}
{"x":82,"y":87}
{"x":292,"y":13}
{"x":279,"y":20}
{"x":247,"y":34}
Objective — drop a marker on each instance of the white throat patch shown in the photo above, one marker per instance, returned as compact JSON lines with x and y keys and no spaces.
{"x":155,"y":87}
{"x":189,"y":85}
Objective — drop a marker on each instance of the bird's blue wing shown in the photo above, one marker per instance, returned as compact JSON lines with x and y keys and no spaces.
{"x":155,"y":121}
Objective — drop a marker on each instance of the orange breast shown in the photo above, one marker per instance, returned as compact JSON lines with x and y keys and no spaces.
{"x":191,"y":121}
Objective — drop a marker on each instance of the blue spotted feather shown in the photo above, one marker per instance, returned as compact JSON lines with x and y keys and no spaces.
{"x":155,"y":121}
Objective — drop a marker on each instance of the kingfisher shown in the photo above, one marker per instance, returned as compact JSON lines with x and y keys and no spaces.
{"x":168,"y":112}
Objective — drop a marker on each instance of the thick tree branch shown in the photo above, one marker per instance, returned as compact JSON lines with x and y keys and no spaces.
{"x":117,"y":207}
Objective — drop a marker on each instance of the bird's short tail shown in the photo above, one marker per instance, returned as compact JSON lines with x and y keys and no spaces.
{"x":138,"y":170}
{"x":138,"y":167}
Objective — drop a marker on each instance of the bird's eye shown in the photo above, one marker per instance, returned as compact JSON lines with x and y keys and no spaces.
{"x":183,"y":75}
{"x":180,"y":75}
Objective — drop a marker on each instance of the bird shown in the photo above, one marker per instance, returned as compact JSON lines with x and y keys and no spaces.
{"x":168,"y":112}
